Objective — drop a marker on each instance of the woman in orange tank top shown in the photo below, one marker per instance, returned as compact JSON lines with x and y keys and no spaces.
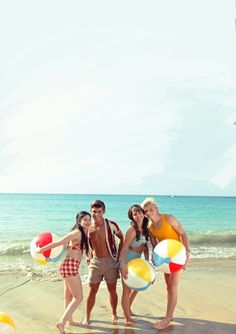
{"x":163,"y":227}
{"x":164,"y":231}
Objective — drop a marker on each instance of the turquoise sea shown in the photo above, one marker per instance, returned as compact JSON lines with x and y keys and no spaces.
{"x":209,"y":221}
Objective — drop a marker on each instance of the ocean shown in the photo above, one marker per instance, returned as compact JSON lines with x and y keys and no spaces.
{"x":210,"y":223}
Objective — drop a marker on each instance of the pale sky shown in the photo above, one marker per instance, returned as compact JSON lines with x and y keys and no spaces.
{"x":122,"y":97}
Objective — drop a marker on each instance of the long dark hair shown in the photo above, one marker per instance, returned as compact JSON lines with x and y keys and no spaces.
{"x":135,"y":226}
{"x":84,"y":240}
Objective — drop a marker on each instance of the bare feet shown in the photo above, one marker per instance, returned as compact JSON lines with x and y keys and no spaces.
{"x":86,"y":322}
{"x":73,"y":323}
{"x":164,"y":323}
{"x":60,"y":327}
{"x":114,"y":319}
{"x":129,"y":321}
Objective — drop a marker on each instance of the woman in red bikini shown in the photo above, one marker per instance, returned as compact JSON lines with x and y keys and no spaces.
{"x":77,"y":244}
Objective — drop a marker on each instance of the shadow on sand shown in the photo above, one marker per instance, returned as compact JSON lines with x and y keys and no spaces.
{"x":178,"y":326}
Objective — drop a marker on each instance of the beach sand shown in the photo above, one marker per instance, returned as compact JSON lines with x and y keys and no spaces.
{"x":207,"y":303}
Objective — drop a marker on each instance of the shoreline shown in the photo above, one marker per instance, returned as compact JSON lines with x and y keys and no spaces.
{"x":206,"y":303}
{"x":39,"y":275}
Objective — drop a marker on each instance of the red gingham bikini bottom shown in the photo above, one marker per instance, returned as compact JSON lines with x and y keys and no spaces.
{"x":69,"y":267}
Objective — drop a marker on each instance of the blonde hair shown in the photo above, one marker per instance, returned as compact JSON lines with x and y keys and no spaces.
{"x":148,"y":200}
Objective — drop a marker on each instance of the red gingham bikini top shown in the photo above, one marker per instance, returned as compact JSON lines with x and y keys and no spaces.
{"x":75,"y":247}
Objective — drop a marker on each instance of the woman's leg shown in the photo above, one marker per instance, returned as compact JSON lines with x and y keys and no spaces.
{"x":125,"y":304}
{"x":75,"y":286}
{"x":172,"y":281}
{"x":172,"y":290}
{"x":132,"y":295}
{"x":67,"y":298}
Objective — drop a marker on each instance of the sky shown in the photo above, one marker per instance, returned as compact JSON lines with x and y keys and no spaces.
{"x":125,"y":97}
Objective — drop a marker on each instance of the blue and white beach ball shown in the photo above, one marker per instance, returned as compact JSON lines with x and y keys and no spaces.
{"x":169,"y":256}
{"x":141,"y":275}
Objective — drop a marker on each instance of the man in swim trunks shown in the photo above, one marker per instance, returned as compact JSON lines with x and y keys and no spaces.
{"x":104,"y":258}
{"x":163,"y":227}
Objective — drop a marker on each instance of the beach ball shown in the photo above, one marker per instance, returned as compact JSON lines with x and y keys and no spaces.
{"x":169,"y":256}
{"x":49,"y":256}
{"x":141,"y":275}
{"x":7,"y":325}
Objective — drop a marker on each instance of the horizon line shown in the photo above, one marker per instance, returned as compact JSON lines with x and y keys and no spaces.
{"x":114,"y":194}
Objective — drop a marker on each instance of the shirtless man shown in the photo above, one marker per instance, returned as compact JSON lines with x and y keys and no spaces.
{"x":163,"y":227}
{"x":104,"y":258}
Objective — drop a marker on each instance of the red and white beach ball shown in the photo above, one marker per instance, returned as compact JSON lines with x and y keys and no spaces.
{"x":7,"y":325}
{"x":169,"y":256}
{"x":49,"y":256}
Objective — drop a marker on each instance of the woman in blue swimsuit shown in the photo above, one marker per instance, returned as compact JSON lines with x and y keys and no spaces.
{"x":135,"y":244}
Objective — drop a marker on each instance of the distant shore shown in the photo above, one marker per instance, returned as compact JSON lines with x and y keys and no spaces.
{"x":206,"y":303}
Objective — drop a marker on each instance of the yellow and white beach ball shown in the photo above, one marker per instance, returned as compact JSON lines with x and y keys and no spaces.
{"x":7,"y":325}
{"x":49,"y":256}
{"x":169,"y":256}
{"x":141,"y":275}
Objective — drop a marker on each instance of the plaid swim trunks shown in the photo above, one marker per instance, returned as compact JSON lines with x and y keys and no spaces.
{"x":69,"y":267}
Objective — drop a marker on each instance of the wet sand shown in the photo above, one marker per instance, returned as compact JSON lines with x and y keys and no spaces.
{"x":207,"y":303}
